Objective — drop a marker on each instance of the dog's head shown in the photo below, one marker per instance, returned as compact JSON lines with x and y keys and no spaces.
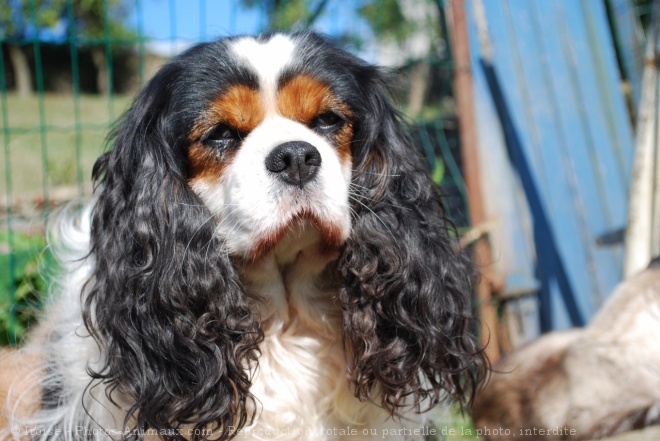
{"x":232,"y":148}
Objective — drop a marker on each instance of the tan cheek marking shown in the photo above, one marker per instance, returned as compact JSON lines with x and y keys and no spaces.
{"x":239,"y":107}
{"x":303,"y":97}
{"x":343,"y":139}
{"x":207,"y":164}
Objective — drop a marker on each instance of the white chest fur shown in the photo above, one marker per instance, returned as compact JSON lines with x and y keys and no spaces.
{"x":301,"y":384}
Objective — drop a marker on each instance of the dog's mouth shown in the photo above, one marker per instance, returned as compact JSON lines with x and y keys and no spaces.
{"x":303,"y":231}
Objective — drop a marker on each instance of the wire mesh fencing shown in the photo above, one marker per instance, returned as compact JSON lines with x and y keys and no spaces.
{"x":68,"y":69}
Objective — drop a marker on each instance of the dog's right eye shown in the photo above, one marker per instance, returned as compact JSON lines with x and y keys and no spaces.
{"x":222,"y":137}
{"x":327,"y":121}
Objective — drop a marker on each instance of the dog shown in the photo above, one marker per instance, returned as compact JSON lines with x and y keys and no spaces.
{"x":582,"y":383}
{"x":265,"y":257}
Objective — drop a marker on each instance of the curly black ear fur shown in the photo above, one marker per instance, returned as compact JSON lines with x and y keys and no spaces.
{"x":165,"y":304}
{"x":408,"y":322}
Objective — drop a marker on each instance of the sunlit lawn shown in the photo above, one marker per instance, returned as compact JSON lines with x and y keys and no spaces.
{"x":54,"y":146}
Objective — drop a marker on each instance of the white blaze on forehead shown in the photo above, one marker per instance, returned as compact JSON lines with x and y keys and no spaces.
{"x":267,"y":59}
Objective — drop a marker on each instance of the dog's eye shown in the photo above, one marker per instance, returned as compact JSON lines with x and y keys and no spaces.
{"x":326,"y":121}
{"x":222,"y":136}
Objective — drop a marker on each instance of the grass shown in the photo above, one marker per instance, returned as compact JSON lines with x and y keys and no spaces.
{"x":22,"y":290}
{"x":452,"y":425}
{"x":56,"y":149}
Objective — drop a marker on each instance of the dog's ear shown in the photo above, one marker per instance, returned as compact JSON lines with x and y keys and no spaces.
{"x":165,"y":303}
{"x":406,"y":299}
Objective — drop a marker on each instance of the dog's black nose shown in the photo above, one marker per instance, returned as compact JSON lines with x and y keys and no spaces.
{"x":295,"y":162}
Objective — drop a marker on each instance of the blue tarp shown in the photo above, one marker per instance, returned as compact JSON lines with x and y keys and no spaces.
{"x":556,"y":146}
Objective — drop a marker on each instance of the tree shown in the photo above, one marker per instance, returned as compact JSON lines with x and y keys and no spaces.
{"x":98,"y":21}
{"x":287,"y":14}
{"x":410,"y":28}
{"x":93,"y":21}
{"x":387,"y":19}
{"x":20,"y":20}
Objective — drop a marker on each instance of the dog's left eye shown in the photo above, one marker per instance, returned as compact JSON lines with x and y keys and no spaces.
{"x":222,"y":137}
{"x":326,"y":121}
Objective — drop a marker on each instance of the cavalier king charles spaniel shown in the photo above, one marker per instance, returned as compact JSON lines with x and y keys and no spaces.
{"x":265,"y":257}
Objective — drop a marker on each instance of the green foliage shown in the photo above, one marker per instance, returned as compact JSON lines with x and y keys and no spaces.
{"x":22,"y":288}
{"x":289,"y":14}
{"x":18,"y":16}
{"x":386,"y":19}
{"x":96,"y":22}
{"x":438,"y":173}
{"x":94,"y":18}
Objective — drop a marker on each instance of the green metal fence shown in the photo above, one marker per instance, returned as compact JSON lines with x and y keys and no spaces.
{"x":85,"y":59}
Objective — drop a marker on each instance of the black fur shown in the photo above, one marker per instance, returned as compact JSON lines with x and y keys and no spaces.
{"x":408,"y":321}
{"x":166,"y":305}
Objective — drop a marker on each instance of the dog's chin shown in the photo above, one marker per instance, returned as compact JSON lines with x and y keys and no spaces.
{"x":304,"y":234}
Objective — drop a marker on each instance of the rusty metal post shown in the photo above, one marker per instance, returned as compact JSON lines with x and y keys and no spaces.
{"x":463,"y":94}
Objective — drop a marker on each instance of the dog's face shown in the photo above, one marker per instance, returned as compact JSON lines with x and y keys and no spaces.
{"x":270,"y":149}
{"x":233,"y":150}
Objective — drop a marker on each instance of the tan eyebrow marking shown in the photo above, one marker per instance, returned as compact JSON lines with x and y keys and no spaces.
{"x":239,"y":107}
{"x":303,"y":97}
